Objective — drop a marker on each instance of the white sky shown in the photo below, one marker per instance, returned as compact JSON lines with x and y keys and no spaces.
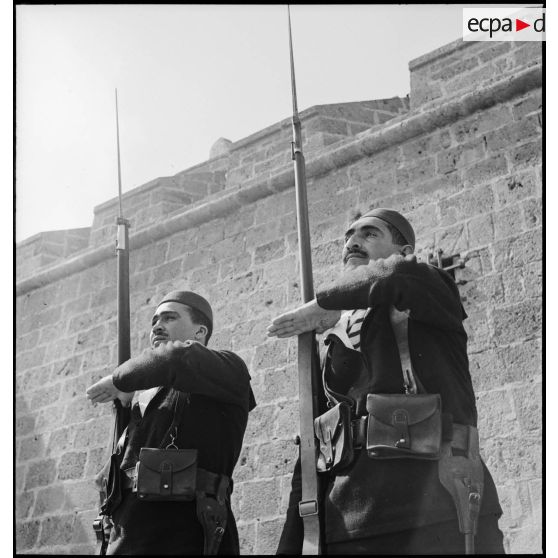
{"x":186,"y":76}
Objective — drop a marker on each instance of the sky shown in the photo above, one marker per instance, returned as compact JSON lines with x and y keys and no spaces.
{"x":186,"y":76}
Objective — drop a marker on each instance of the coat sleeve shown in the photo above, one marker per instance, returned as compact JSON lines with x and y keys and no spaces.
{"x":191,"y":367}
{"x":293,"y":530}
{"x":429,"y":293}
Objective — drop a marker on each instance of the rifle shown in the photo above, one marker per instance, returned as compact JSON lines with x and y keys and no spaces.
{"x":121,"y":414}
{"x":308,"y":374}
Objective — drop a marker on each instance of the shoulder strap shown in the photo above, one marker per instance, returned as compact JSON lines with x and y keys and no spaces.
{"x":400,"y":324}
{"x":180,"y":400}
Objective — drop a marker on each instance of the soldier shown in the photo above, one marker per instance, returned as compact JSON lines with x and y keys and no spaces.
{"x":389,"y":505}
{"x":187,"y":396}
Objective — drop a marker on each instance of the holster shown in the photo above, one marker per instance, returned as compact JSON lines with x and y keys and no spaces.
{"x":113,"y":486}
{"x":334,"y":433}
{"x":212,"y":512}
{"x":463,"y":478}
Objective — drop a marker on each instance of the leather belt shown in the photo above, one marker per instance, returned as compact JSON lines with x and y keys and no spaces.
{"x":457,"y":433}
{"x":206,"y":481}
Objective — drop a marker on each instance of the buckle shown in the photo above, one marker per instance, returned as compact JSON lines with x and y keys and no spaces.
{"x":358,"y":428}
{"x":307,"y":508}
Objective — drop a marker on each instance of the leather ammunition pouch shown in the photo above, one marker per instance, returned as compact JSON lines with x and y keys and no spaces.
{"x":404,"y":426}
{"x":166,"y":475}
{"x":333,"y":431}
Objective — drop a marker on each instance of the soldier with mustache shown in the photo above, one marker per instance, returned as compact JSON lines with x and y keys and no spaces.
{"x":389,"y":506}
{"x":206,"y":395}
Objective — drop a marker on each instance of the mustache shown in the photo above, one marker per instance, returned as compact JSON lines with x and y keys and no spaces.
{"x":352,"y":251}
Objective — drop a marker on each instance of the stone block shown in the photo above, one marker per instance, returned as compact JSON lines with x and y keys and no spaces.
{"x":60,"y":441}
{"x":276,"y":458}
{"x":532,"y":212}
{"x":528,"y":403}
{"x":485,"y":291}
{"x":27,"y":342}
{"x":40,"y":473}
{"x":247,"y":538}
{"x":24,"y":504}
{"x":44,"y":397}
{"x":80,"y":495}
{"x":20,"y":477}
{"x":269,"y":252}
{"x":49,"y":500}
{"x":261,"y":424}
{"x":328,"y":253}
{"x":93,"y":433}
{"x":236,"y":265}
{"x":32,"y":447}
{"x":474,"y":126}
{"x":452,"y":240}
{"x":512,"y":134}
{"x":532,"y":102}
{"x":30,"y":359}
{"x":508,"y":221}
{"x":270,"y":354}
{"x":72,"y":465}
{"x":278,"y":273}
{"x":485,"y":170}
{"x":517,"y":458}
{"x":478,"y":329}
{"x":57,"y":530}
{"x":279,"y":383}
{"x":287,"y":424}
{"x":91,"y":338}
{"x":268,"y":534}
{"x":520,"y":250}
{"x":518,"y":321}
{"x":480,"y":231}
{"x":259,"y":499}
{"x":526,"y":155}
{"x":456,"y":69}
{"x":514,"y":498}
{"x":27,"y":533}
{"x":25,"y":424}
{"x":246,"y":468}
{"x":68,"y":367}
{"x":526,"y":53}
{"x":497,"y":417}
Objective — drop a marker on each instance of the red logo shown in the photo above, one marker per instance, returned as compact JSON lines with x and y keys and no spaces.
{"x":519,"y":25}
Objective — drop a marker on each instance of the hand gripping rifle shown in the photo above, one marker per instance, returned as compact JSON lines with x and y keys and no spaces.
{"x":308,"y":373}
{"x":121,"y":414}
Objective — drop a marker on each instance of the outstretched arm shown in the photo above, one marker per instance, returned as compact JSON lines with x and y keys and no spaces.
{"x":187,"y":366}
{"x":429,"y":294}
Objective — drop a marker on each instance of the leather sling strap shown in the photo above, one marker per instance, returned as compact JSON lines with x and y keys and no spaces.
{"x":308,"y":505}
{"x":400,"y":325}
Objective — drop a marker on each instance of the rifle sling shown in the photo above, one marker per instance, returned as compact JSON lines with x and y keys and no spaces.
{"x":308,"y":506}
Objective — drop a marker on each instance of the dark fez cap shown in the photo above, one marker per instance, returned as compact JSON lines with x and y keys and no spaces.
{"x":193,"y":300}
{"x":397,"y":220}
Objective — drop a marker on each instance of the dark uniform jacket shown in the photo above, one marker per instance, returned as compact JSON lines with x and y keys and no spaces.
{"x":213,"y":421}
{"x":380,"y":496}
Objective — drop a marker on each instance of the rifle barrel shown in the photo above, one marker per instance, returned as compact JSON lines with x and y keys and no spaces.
{"x":308,"y":374}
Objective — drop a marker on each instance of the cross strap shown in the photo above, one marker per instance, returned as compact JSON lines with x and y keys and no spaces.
{"x":400,"y":325}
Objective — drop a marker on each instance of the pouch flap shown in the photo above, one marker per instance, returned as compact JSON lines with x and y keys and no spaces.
{"x":179,"y":459}
{"x":416,"y":407}
{"x":330,"y":424}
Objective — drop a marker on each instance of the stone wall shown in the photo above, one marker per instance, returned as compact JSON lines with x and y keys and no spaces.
{"x":464,"y":163}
